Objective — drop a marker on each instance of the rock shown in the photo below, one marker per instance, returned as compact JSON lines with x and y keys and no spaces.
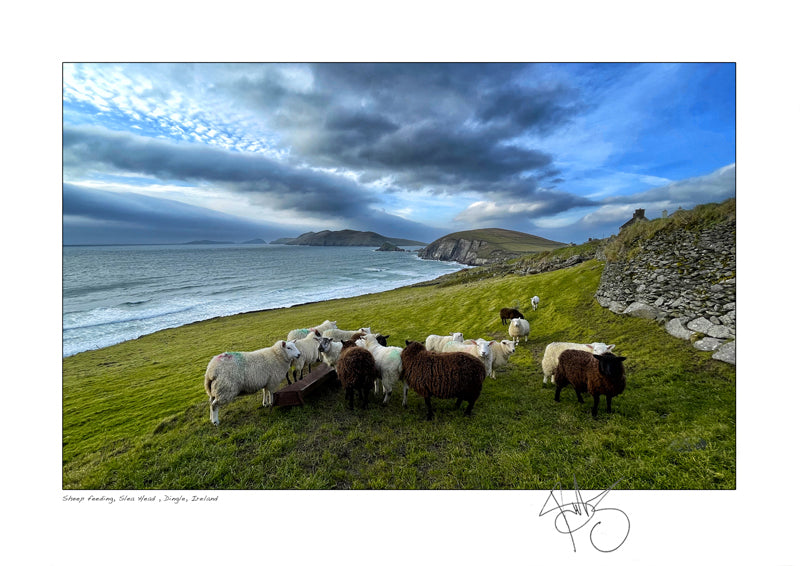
{"x":676,"y":328}
{"x":642,"y":310}
{"x":707,"y":344}
{"x":726,"y":353}
{"x":616,"y":307}
{"x":719,"y":331}
{"x":701,"y":324}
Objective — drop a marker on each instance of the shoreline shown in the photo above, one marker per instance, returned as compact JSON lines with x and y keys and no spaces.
{"x":425,"y":283}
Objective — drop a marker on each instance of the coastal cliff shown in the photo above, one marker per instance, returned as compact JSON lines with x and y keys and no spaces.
{"x":486,"y":246}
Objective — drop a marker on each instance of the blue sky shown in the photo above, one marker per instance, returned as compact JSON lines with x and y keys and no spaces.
{"x":168,"y":153}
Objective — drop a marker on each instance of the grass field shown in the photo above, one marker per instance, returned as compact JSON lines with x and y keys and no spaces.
{"x":135,"y":415}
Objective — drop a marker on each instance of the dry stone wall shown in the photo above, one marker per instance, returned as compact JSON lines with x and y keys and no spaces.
{"x":685,"y":279}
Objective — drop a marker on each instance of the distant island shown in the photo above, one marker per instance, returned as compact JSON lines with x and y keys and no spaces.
{"x":344,"y":238}
{"x":207,"y":242}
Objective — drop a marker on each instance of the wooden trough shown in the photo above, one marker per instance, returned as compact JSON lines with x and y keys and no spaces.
{"x":296,"y":393}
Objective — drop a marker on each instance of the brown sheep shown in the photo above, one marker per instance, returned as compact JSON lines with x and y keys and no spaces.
{"x":601,"y":374}
{"x":442,"y":375}
{"x":356,"y":371}
{"x":508,"y":314}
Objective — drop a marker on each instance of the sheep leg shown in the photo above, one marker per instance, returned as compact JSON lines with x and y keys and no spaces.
{"x":458,"y":402}
{"x":608,"y":403}
{"x":364,"y":396}
{"x":468,"y":412}
{"x":430,"y":408}
{"x":580,"y":398}
{"x":386,"y":397}
{"x":558,"y":393}
{"x":405,"y":394}
{"x":348,"y":396}
{"x":214,"y":411}
{"x":266,"y":401}
{"x":596,"y":403}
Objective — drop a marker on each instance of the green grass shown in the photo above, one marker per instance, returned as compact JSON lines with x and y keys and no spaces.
{"x":135,"y":415}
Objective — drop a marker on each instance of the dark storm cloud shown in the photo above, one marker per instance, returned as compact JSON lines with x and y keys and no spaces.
{"x":260,"y":177}
{"x":444,"y":127}
{"x":92,"y":216}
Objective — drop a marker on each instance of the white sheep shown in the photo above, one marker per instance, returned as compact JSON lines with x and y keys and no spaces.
{"x":501,"y":351}
{"x":479,"y":348}
{"x":231,"y":374}
{"x":387,"y":358}
{"x":330,"y":350}
{"x":341,"y":335}
{"x":435,"y":342}
{"x":554,"y":350}
{"x":518,"y":328}
{"x":299,"y":333}
{"x":535,"y":301}
{"x":309,"y":353}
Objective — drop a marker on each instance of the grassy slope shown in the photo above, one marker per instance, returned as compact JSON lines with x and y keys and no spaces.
{"x":136,"y":416}
{"x":508,"y":240}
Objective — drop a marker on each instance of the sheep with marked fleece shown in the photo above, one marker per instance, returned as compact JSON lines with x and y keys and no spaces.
{"x":554,"y":350}
{"x":357,"y":372}
{"x":518,"y":328}
{"x":479,"y":348}
{"x":387,"y":358}
{"x":501,"y":352}
{"x":299,"y":333}
{"x":231,"y":374}
{"x":435,"y":342}
{"x":442,"y":375}
{"x":597,"y":374}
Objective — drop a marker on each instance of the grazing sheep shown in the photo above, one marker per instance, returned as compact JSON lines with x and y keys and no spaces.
{"x":356,"y":371}
{"x":443,"y":375}
{"x":330,"y":349}
{"x":479,"y":348}
{"x":434,"y":342}
{"x":554,"y":349}
{"x":342,"y":335}
{"x":387,"y":358}
{"x":599,"y":374}
{"x":501,"y":351}
{"x":508,"y":314}
{"x":518,"y":328}
{"x":300,"y":333}
{"x":231,"y":374}
{"x":309,"y":353}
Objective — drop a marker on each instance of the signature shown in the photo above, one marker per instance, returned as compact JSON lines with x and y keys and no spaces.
{"x":574,"y":515}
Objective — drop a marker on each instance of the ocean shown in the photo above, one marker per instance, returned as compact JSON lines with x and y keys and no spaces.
{"x":111,"y":294}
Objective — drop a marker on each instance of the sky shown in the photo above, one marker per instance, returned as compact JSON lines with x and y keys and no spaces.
{"x":176,"y":152}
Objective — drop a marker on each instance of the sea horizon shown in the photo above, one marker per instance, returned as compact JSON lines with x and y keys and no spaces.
{"x":109,"y":296}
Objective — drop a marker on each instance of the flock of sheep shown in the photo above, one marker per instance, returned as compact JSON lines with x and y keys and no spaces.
{"x":445,"y":367}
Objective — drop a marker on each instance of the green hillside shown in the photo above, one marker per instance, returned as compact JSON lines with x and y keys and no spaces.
{"x":135,"y":415}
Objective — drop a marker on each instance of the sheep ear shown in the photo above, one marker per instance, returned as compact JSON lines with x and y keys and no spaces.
{"x":611,"y":347}
{"x":283,"y":344}
{"x":386,"y":337}
{"x":621,"y":358}
{"x":408,"y":342}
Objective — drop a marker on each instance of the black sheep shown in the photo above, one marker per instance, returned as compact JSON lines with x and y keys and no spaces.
{"x":508,"y":314}
{"x":597,"y":374}
{"x":356,"y":371}
{"x":442,"y":375}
